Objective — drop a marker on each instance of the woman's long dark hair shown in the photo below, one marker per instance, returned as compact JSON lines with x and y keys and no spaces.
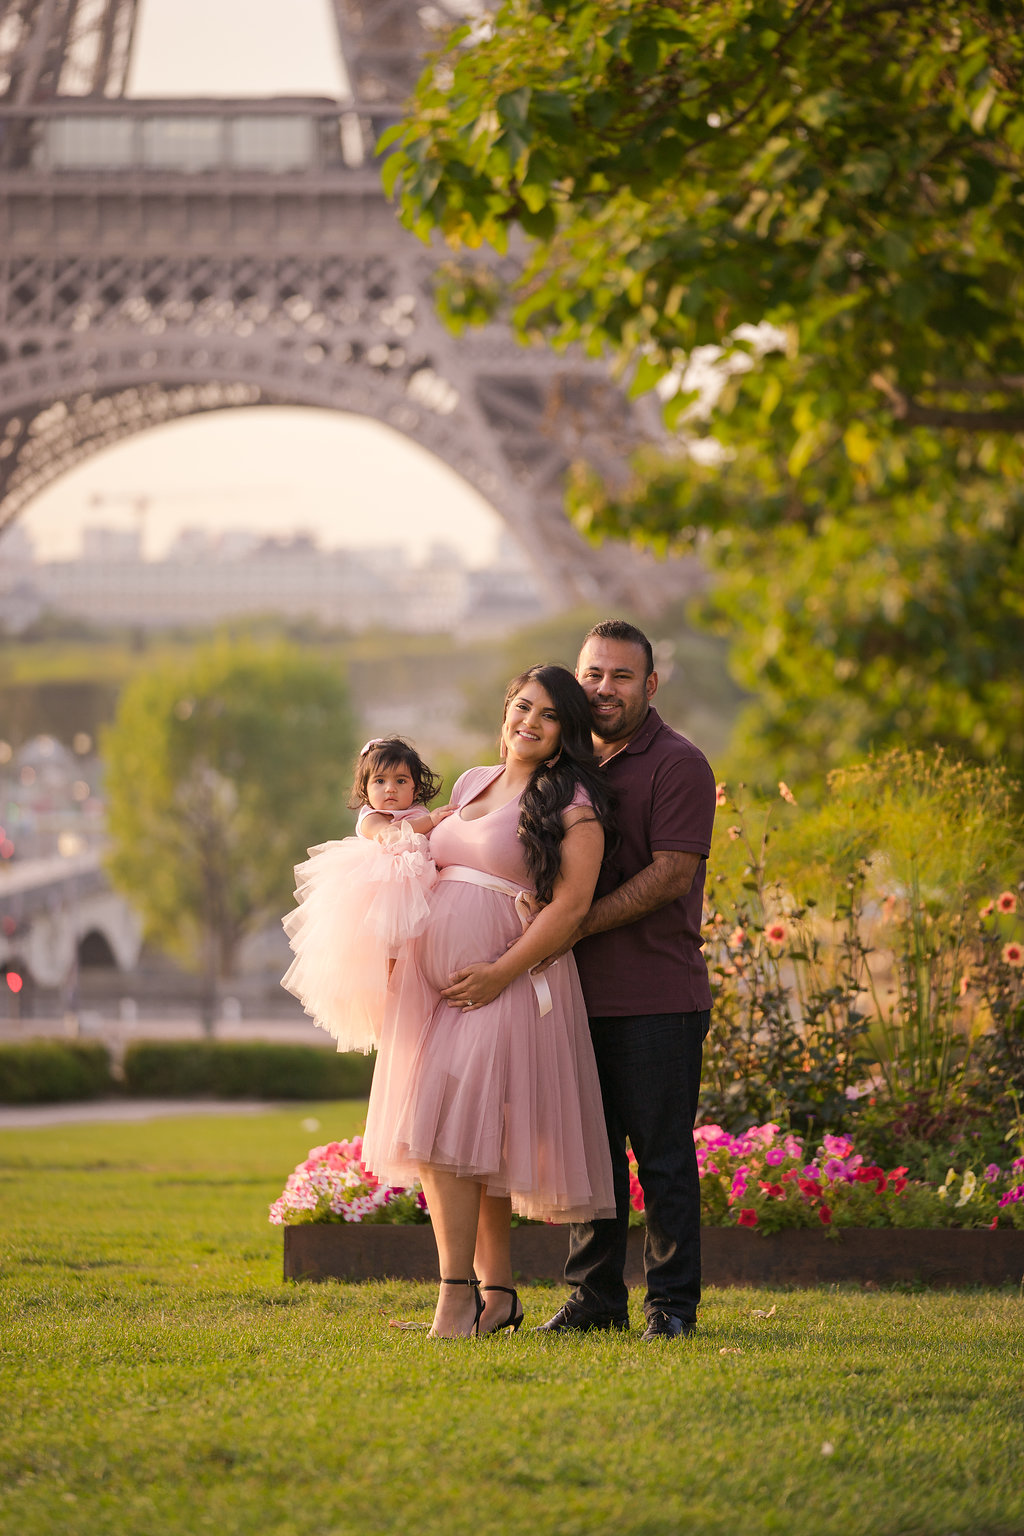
{"x":553,"y":786}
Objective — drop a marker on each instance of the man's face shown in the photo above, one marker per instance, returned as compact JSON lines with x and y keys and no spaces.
{"x":611,"y":674}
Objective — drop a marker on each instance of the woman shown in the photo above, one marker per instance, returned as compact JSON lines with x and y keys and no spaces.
{"x":485,"y":1085}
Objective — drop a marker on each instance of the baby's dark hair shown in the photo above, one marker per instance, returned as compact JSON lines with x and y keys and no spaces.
{"x":392,"y":752}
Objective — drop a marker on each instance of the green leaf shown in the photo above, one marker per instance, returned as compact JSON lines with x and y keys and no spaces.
{"x":859,"y":447}
{"x":391,"y":170}
{"x":513,"y":106}
{"x":541,"y":170}
{"x":821,"y":107}
{"x":895,"y":251}
{"x":645,"y":375}
{"x":869,"y":173}
{"x":390,"y":136}
{"x":540,"y":224}
{"x":601,"y":107}
{"x":554,"y":110}
{"x":644,"y":52}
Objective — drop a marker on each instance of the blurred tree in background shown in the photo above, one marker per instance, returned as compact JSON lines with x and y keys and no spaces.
{"x":803,"y":223}
{"x":221,"y":769}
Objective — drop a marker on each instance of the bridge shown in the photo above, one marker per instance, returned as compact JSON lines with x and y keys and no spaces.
{"x":55,"y":915}
{"x":161,"y":259}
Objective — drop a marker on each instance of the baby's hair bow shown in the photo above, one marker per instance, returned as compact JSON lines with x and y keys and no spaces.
{"x":375,"y":741}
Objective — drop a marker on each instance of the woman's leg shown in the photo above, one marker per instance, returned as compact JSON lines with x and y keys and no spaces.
{"x":493,"y":1258}
{"x":454,"y":1205}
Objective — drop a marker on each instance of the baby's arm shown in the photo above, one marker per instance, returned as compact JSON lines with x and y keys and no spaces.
{"x":373,"y":825}
{"x":428,"y":820}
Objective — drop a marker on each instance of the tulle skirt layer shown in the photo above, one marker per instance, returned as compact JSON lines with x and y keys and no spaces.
{"x":358,"y":903}
{"x":502,"y":1093}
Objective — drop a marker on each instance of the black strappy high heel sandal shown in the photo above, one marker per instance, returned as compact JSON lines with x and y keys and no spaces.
{"x":515,"y":1312}
{"x":479,"y":1309}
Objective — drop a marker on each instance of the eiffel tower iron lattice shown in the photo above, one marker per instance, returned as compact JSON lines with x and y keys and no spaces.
{"x":160,"y":259}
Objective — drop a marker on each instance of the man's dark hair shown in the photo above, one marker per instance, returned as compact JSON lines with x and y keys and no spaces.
{"x":618,"y":629}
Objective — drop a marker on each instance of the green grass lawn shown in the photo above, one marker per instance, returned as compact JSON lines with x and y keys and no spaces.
{"x":159,"y":1377}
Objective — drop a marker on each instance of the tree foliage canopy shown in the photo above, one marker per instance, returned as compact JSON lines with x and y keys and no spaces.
{"x":851,"y":173}
{"x":221,"y":771}
{"x":829,"y":196}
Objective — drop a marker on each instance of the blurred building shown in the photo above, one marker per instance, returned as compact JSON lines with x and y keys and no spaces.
{"x":207,"y":578}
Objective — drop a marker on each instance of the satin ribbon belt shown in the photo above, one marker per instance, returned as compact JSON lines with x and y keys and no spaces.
{"x":521,"y":898}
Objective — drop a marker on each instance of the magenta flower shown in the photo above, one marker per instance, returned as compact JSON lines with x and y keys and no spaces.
{"x":774,"y":1156}
{"x":992,"y":1173}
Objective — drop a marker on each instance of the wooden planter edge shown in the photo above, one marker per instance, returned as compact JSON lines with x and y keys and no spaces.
{"x":731,"y":1255}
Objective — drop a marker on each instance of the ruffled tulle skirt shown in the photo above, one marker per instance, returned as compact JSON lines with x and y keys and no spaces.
{"x":502,"y":1093}
{"x":358,"y":903}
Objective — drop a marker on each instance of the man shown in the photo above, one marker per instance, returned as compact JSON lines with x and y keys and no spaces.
{"x":647,"y":992}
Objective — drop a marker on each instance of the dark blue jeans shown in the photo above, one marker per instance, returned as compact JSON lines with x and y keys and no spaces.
{"x":649,"y":1065}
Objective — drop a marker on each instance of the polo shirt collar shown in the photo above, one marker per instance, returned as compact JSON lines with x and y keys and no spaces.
{"x":641,"y":739}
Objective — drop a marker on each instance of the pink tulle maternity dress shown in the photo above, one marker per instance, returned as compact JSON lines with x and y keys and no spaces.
{"x":357,"y":904}
{"x":507,"y":1093}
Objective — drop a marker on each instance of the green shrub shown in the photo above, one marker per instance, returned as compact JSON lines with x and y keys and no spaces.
{"x":183,"y":1068}
{"x":48,"y":1071}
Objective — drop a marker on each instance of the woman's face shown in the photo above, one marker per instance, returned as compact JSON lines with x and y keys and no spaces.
{"x":531,"y":732}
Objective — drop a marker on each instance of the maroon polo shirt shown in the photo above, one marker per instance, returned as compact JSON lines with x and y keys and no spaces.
{"x":665,"y":793}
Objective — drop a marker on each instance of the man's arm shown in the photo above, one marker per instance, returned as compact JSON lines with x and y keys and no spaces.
{"x":668,"y":876}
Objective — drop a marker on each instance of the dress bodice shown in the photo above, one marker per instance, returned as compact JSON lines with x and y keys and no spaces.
{"x":489,"y":843}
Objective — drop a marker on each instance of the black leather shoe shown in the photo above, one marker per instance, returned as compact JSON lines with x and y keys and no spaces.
{"x":665,"y":1325}
{"x":572,"y":1318}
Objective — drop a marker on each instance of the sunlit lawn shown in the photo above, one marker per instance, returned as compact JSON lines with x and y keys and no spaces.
{"x":158,"y":1377}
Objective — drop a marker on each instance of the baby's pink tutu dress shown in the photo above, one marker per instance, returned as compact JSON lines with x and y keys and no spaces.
{"x":358,"y":903}
{"x":507,"y":1093}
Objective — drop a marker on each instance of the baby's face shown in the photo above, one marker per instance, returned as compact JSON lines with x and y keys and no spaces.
{"x":391,"y":789}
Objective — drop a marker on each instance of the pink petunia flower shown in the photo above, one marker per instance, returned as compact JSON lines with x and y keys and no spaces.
{"x":1007,"y":901}
{"x":992,"y":1173}
{"x":776,"y":933}
{"x":774,"y":1156}
{"x":1013,"y":955}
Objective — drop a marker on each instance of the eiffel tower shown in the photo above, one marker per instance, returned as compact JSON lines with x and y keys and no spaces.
{"x":164,"y":258}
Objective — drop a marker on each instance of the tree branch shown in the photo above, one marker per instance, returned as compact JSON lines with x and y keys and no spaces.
{"x":916,"y":415}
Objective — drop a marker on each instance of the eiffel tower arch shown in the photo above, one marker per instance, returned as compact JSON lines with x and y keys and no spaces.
{"x":160,"y":259}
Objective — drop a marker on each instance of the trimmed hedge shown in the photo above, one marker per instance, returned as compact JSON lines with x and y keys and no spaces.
{"x":245,"y":1070}
{"x":51,"y":1071}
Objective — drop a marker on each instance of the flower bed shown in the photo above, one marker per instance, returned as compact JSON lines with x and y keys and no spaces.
{"x":831,"y":1217}
{"x":762,"y":1178}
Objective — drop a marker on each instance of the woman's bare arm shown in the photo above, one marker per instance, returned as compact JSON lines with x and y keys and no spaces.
{"x":668,"y":876}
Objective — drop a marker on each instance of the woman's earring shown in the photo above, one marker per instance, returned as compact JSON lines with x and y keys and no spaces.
{"x":553,"y":760}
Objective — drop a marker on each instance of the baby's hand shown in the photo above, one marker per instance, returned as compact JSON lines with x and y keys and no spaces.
{"x":440,"y":813}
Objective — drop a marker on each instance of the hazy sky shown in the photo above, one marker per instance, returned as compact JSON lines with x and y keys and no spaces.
{"x":345,"y":478}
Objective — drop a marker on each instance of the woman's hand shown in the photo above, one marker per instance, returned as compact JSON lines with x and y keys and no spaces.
{"x":474,"y":986}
